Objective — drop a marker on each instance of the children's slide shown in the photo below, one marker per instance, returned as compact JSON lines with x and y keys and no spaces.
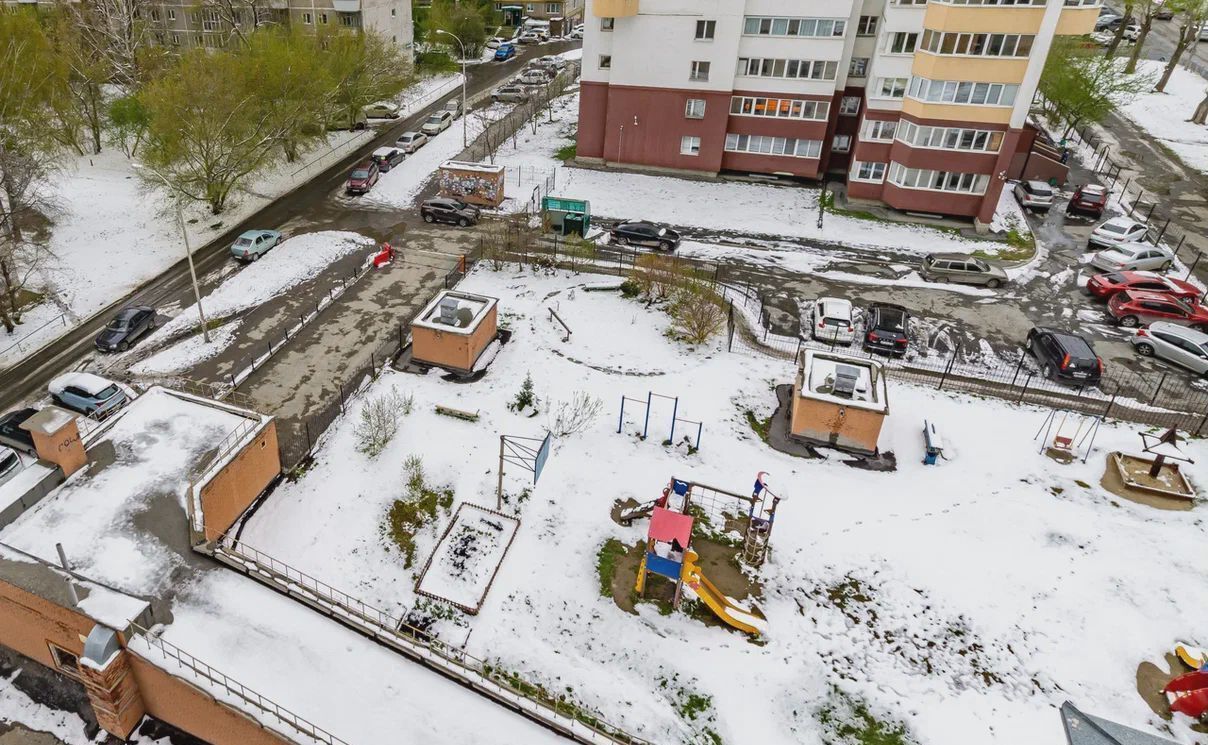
{"x":724,"y":607}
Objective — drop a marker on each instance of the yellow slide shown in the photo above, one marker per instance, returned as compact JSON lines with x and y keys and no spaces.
{"x":724,"y":607}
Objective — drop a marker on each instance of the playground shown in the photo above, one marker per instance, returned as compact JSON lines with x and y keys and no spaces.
{"x":713,"y":590}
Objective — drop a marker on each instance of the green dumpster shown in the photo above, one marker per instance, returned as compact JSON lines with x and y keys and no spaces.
{"x":558,"y":209}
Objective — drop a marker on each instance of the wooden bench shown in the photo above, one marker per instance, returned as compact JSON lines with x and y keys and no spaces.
{"x":469,"y":416}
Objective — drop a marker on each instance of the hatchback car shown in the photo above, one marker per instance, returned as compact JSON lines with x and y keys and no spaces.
{"x":642,"y":233}
{"x":495,"y":42}
{"x":10,"y":464}
{"x":454,"y":211}
{"x":87,"y":394}
{"x":535,"y":76}
{"x":363,"y":177}
{"x":1034,"y":195}
{"x":13,"y":436}
{"x":1088,"y":199}
{"x":529,"y":37}
{"x":1183,"y":346}
{"x":387,"y":158}
{"x":128,"y":326}
{"x":409,"y":142}
{"x":887,"y":329}
{"x":383,"y":110}
{"x":453,"y":106}
{"x":831,"y":321}
{"x":437,"y":123}
{"x":505,"y":51}
{"x":1116,"y":231}
{"x":1106,"y":285}
{"x":1133,"y":257}
{"x":962,"y":269}
{"x":510,"y":94}
{"x":1132,"y":308}
{"x":1064,"y":356}
{"x":254,"y":243}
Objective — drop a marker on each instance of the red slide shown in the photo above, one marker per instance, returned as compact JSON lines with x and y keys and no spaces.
{"x":1188,"y":694}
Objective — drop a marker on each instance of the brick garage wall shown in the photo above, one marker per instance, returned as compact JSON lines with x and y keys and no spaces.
{"x":233,"y":489}
{"x":28,"y":623}
{"x":845,"y":426}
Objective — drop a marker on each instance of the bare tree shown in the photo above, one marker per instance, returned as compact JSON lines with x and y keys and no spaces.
{"x":22,"y":198}
{"x":697,"y":311}
{"x":1191,"y":20}
{"x":240,"y":18}
{"x":122,"y":34}
{"x":1201,"y":110}
{"x":1118,"y":34}
{"x":1146,"y":10}
{"x":492,"y":135}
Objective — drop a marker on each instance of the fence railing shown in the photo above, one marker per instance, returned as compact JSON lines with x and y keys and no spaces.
{"x":25,"y":346}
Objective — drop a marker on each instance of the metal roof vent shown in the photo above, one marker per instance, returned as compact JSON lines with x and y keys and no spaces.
{"x":846,"y":379}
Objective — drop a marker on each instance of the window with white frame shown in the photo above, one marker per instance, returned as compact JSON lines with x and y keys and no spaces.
{"x":175,"y":40}
{"x":171,"y":14}
{"x":849,"y":105}
{"x":705,"y":30}
{"x":880,"y":130}
{"x":695,"y":108}
{"x":605,"y":62}
{"x":891,"y":87}
{"x":858,"y":67}
{"x":764,"y":145}
{"x":950,"y":138}
{"x":699,"y":70}
{"x":553,"y":7}
{"x":932,"y":180}
{"x":606,"y":24}
{"x":307,"y":18}
{"x":818,"y":28}
{"x":764,"y":67}
{"x":863,"y":170}
{"x":323,"y":18}
{"x":780,"y":108}
{"x":977,"y":45}
{"x":841,"y":144}
{"x":901,"y":42}
{"x":990,"y":2}
{"x":909,"y":3}
{"x":962,"y":92}
{"x":65,"y":661}
{"x":689,"y":145}
{"x":867,"y":26}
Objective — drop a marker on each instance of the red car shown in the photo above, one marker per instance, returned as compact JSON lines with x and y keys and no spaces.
{"x":1131,"y":308}
{"x":1088,"y":199}
{"x":363,"y":177}
{"x":1106,"y":285}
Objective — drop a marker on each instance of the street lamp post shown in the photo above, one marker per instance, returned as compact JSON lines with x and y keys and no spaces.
{"x":465,"y":140}
{"x":180,"y":218}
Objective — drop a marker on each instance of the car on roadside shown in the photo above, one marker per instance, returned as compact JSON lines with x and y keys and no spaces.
{"x":535,"y":76}
{"x":13,"y":436}
{"x":1088,"y":199}
{"x":383,"y":110}
{"x":831,"y":321}
{"x":453,"y":106}
{"x":576,"y":33}
{"x":1178,"y":344}
{"x":1105,"y":285}
{"x":1133,"y":257}
{"x":437,"y":123}
{"x":495,"y":42}
{"x":1036,"y":196}
{"x":127,"y":327}
{"x":962,"y":269}
{"x":887,"y":329}
{"x":10,"y":464}
{"x":1064,"y":357}
{"x":529,"y":37}
{"x":387,"y":157}
{"x":1133,"y":308}
{"x":449,"y":210}
{"x":87,"y":394}
{"x":364,"y":175}
{"x":252,"y":244}
{"x":1117,"y":230}
{"x":1163,"y":13}
{"x":643,"y":233}
{"x":1108,"y":20}
{"x":505,"y":51}
{"x":1132,"y":32}
{"x":409,"y":142}
{"x":510,"y":94}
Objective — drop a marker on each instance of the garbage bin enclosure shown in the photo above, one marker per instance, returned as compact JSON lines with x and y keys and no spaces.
{"x":473,"y":183}
{"x":566,"y":216}
{"x":839,"y":401}
{"x":454,"y":330}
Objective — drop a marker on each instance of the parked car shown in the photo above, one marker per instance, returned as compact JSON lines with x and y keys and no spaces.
{"x":387,"y":157}
{"x":253,"y":244}
{"x":535,"y":76}
{"x":529,"y":37}
{"x":505,"y":52}
{"x":10,"y":464}
{"x":128,"y":326}
{"x":494,"y":43}
{"x":1034,"y":195}
{"x":1116,"y":231}
{"x":831,"y":321}
{"x":1064,"y":356}
{"x":1106,"y":285}
{"x":364,"y":175}
{"x":887,"y":328}
{"x":642,"y":233}
{"x":1132,"y":308}
{"x":551,"y":63}
{"x":1132,"y":32}
{"x":962,"y":269}
{"x":444,"y":209}
{"x":576,"y":33}
{"x":1108,"y":20}
{"x":1133,"y":257}
{"x":510,"y":94}
{"x":437,"y":123}
{"x":1183,"y":346}
{"x":409,"y":142}
{"x":87,"y":394}
{"x":453,"y":106}
{"x":1088,"y":199}
{"x":345,"y":121}
{"x":13,"y":436}
{"x":1163,"y":13}
{"x":383,"y":110}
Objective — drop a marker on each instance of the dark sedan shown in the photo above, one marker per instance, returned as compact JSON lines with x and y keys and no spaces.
{"x":642,"y":233}
{"x":127,"y":327}
{"x":11,"y":433}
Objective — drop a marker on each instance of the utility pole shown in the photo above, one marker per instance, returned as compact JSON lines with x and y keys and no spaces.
{"x":465,"y":140}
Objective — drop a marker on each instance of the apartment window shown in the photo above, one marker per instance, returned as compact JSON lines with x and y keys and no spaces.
{"x":810,"y":27}
{"x":347,"y":20}
{"x":171,"y":14}
{"x":65,"y":661}
{"x":393,"y":12}
{"x":306,"y":18}
{"x":605,"y":62}
{"x":909,"y":3}
{"x":781,"y":108}
{"x":866,"y":171}
{"x":210,"y":21}
{"x":195,"y":18}
{"x":867,"y":26}
{"x":606,"y":24}
{"x":175,"y":40}
{"x":695,"y":108}
{"x":858,"y":67}
{"x":552,"y":7}
{"x":529,"y":7}
{"x":977,"y":45}
{"x":787,"y":68}
{"x":963,"y":92}
{"x":760,"y":144}
{"x":950,"y":138}
{"x":700,"y":70}
{"x":879,"y":130}
{"x":689,"y":145}
{"x":901,"y":42}
{"x":154,"y":14}
{"x":849,"y":105}
{"x":705,"y":30}
{"x":841,"y":144}
{"x":891,"y":87}
{"x":323,"y":18}
{"x":991,"y":2}
{"x":931,"y":180}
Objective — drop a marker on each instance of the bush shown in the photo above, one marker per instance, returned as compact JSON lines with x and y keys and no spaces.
{"x":437,"y":62}
{"x":575,"y":415}
{"x":407,"y":516}
{"x":379,"y":421}
{"x":631,"y":288}
{"x":697,"y":311}
{"x":526,"y":397}
{"x":656,"y":276}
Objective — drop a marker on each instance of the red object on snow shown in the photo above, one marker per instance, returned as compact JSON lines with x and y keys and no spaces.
{"x":1188,"y":694}
{"x":384,"y":256}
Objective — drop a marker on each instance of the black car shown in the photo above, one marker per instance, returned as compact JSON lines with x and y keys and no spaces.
{"x":642,"y":233}
{"x":444,"y":209}
{"x":1064,"y":356}
{"x":886,"y":328}
{"x":128,"y":326}
{"x":387,"y":157}
{"x":11,"y":433}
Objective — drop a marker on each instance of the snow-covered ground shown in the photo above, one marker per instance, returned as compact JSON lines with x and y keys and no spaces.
{"x":67,"y":726}
{"x":966,"y":600}
{"x":1164,"y":116}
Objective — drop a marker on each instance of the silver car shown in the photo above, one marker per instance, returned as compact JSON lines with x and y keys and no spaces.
{"x":409,"y":142}
{"x":1115,"y":231}
{"x":1183,"y":346}
{"x":1133,"y":257}
{"x":961,"y":269}
{"x":1034,"y":195}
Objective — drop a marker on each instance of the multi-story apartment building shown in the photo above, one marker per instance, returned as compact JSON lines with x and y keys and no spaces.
{"x":921,"y":103}
{"x":562,"y":14}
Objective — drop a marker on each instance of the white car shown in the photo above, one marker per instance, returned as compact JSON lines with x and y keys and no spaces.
{"x":1034,"y":195}
{"x":10,"y":463}
{"x":831,"y":321}
{"x":495,"y":42}
{"x":1132,"y":32}
{"x":409,"y":142}
{"x":1116,"y":231}
{"x":1131,"y":257}
{"x":534,"y":77}
{"x":576,"y":34}
{"x":383,"y":110}
{"x":437,"y":123}
{"x":529,"y":37}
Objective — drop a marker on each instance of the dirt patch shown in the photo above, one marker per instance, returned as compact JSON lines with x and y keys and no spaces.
{"x":1151,"y":679}
{"x":1112,"y":482}
{"x":719,"y":563}
{"x":624,"y":574}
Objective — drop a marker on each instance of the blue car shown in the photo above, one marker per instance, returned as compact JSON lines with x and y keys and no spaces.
{"x":254,"y":243}
{"x":90,"y":395}
{"x":505,"y":52}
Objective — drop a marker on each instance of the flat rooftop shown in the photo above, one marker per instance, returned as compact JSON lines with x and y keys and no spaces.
{"x":455,"y":312}
{"x":839,"y":379}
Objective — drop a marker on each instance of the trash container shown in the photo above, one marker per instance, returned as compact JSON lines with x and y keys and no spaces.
{"x":574,"y":223}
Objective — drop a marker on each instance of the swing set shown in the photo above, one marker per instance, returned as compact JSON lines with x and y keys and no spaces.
{"x":1073,"y":431}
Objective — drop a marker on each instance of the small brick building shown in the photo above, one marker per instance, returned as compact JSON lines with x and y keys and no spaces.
{"x":839,"y":401}
{"x":454,"y":330}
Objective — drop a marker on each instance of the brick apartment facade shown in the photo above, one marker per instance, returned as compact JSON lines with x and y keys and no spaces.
{"x":920,"y":104}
